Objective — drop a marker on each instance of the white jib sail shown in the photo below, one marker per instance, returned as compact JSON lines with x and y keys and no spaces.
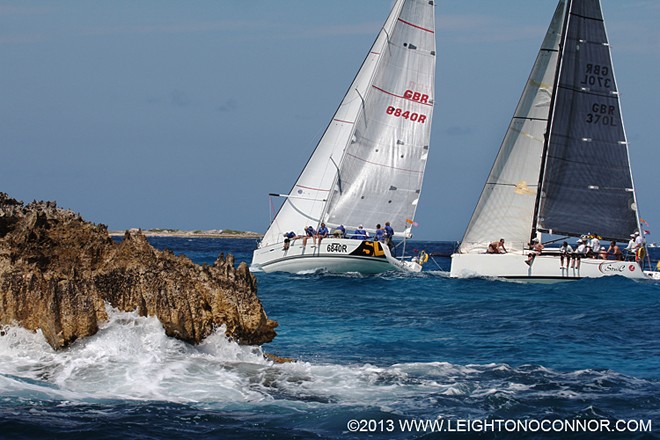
{"x":308,"y":200}
{"x":506,"y":206}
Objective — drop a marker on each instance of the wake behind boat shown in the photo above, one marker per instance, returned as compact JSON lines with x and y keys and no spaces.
{"x":369,"y":165}
{"x":563,"y":169}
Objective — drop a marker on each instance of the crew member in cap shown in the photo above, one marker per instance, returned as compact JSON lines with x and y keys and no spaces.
{"x":360,"y":233}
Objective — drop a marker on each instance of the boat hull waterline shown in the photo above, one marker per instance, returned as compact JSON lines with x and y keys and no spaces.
{"x":334,"y":255}
{"x":543,"y":268}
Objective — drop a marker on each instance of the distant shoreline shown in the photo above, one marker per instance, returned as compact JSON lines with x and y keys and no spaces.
{"x":223,"y":233}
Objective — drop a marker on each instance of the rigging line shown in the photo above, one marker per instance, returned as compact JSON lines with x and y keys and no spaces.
{"x":272,"y":208}
{"x":587,"y":18}
{"x":312,"y":188}
{"x":389,"y":40}
{"x":551,"y":114}
{"x":287,"y":196}
{"x":338,"y":175}
{"x":364,"y":108}
{"x":343,"y":121}
{"x":383,"y":165}
{"x":361,"y":97}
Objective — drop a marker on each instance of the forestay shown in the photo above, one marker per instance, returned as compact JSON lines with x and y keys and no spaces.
{"x":369,"y":164}
{"x":506,"y":205}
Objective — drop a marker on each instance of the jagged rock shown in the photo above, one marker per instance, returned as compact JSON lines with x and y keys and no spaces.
{"x":58,"y":271}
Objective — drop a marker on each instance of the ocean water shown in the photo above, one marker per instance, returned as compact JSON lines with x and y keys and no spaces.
{"x":376,"y":357}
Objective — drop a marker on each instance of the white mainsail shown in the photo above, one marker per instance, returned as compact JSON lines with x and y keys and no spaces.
{"x":369,"y":164}
{"x":506,"y":206}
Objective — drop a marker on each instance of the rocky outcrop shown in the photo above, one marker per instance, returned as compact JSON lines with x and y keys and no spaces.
{"x":57,"y":272}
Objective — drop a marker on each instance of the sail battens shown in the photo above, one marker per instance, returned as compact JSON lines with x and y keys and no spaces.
{"x":586,"y":17}
{"x":378,"y":136}
{"x":587,"y":90}
{"x":587,"y":168}
{"x":598,"y":43}
{"x":506,"y":209}
{"x":391,"y":126}
{"x":582,"y":168}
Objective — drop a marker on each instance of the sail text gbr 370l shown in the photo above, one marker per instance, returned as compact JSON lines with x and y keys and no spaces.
{"x":563,"y":169}
{"x":368,"y":167}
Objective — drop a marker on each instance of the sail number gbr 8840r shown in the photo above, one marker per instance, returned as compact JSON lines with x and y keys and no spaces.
{"x":406,"y":114}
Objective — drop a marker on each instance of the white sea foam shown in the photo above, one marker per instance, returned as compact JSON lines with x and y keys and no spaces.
{"x":131,"y":358}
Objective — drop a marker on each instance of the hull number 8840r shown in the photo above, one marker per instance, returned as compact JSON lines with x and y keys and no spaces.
{"x":336,"y":247}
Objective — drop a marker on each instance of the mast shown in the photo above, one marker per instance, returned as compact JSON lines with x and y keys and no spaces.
{"x":548,"y":132}
{"x":309,"y":195}
{"x":386,"y":29}
{"x":506,"y":205}
{"x":586,"y":183}
{"x":381,"y":167}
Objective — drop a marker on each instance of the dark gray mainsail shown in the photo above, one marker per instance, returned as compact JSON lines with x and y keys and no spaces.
{"x":563,"y":167}
{"x":586,"y":183}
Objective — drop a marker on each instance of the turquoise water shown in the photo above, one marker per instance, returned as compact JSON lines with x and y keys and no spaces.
{"x":380,"y":350}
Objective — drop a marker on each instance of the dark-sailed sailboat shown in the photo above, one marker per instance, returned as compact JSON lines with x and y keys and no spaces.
{"x":563,"y":169}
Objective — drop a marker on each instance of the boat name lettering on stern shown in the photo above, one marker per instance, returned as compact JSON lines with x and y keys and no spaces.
{"x":336,"y":247}
{"x":611,"y":267}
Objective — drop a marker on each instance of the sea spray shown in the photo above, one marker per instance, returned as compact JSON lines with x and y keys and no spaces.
{"x":367,"y":348}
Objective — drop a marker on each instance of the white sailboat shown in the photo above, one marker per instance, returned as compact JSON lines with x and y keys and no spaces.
{"x":368,"y":167}
{"x":563,"y":168}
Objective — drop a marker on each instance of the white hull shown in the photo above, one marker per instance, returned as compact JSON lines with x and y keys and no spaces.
{"x":335,"y":255}
{"x":653,"y":274}
{"x":544,"y":267}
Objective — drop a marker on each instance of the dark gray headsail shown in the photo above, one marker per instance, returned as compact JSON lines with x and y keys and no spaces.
{"x":587,"y":182}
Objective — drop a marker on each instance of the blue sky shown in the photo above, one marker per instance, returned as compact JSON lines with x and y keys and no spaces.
{"x":178,"y":114}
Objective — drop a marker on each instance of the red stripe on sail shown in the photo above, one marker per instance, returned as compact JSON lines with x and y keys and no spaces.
{"x":400,"y":96}
{"x":415,"y":26}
